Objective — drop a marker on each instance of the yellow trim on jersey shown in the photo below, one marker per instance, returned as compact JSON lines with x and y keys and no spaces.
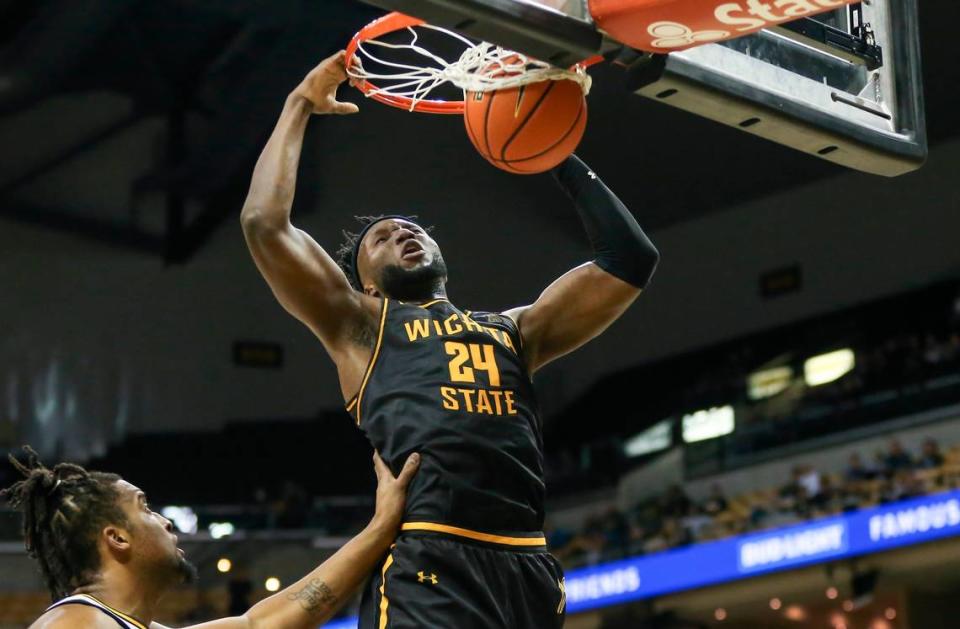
{"x":373,"y":359}
{"x":352,"y":403}
{"x":430,"y":303}
{"x":384,"y":601}
{"x":128,"y":618}
{"x":475,"y":535}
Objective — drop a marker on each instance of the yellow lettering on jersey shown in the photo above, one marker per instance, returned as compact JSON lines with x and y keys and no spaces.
{"x":511,"y":408}
{"x":480,"y":401}
{"x":484,"y":360}
{"x":451,"y":325}
{"x":450,"y":398}
{"x":483,"y":403}
{"x":496,"y":395}
{"x":461,"y":355}
{"x":420,"y":328}
{"x":454,"y":325}
{"x":467,"y":398}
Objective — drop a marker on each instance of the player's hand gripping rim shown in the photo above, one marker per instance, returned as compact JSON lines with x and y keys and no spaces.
{"x":319,"y":87}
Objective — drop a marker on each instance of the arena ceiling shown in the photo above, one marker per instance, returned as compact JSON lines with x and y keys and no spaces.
{"x":137,"y":124}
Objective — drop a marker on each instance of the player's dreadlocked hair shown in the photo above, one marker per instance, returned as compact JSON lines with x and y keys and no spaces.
{"x":344,"y":255}
{"x":64,"y":510}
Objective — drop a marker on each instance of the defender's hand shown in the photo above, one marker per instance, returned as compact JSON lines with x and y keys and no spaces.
{"x":320,"y":86}
{"x":392,"y":491}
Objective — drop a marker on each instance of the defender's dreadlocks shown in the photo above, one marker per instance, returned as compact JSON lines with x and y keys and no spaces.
{"x":344,"y":254}
{"x":64,"y":510}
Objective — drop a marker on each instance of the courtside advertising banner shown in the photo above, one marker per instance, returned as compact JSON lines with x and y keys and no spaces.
{"x":862,"y":532}
{"x":859,"y":533}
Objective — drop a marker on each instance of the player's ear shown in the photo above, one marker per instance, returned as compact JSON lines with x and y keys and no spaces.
{"x":116,"y":538}
{"x":371,"y":290}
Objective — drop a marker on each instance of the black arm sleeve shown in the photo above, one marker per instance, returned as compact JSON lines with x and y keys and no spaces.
{"x":620,"y":246}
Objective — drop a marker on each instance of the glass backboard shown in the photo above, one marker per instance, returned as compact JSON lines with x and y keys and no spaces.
{"x":842,"y":85}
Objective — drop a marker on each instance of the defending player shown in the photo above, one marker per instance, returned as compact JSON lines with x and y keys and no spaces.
{"x":419,"y":373}
{"x":107,"y":558}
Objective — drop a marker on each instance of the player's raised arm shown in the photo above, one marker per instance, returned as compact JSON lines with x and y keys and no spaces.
{"x":304,"y":278}
{"x":586,"y":300}
{"x":315,"y":598}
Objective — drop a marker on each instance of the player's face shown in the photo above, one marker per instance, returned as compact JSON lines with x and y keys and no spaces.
{"x":153,"y":542}
{"x":401,"y":260}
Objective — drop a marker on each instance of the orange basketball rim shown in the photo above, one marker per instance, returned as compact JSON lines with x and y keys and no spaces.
{"x":481,"y":67}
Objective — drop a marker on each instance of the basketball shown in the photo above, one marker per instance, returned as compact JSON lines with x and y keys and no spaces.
{"x":527,"y":129}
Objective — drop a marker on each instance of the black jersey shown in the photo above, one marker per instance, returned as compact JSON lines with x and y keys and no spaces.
{"x":452,"y":385}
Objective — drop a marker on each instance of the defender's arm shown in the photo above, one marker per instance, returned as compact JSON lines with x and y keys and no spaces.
{"x":304,"y":278}
{"x":315,"y":598}
{"x":586,"y":300}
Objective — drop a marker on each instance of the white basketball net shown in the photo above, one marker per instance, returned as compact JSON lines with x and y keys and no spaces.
{"x":482,"y":67}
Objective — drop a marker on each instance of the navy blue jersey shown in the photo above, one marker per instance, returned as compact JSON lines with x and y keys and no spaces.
{"x":452,"y":385}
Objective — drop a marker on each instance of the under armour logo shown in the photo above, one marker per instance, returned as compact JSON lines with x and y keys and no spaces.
{"x":675,"y":35}
{"x":591,"y":174}
{"x":423,"y":578}
{"x":562,"y":583}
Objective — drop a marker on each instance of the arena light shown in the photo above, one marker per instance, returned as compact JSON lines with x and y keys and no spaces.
{"x":768,"y":382}
{"x":708,"y":424}
{"x":182,"y":517}
{"x":655,"y":438}
{"x":224,"y":565}
{"x":272,"y":584}
{"x":795,"y":613}
{"x":828,"y":367}
{"x":221,"y":529}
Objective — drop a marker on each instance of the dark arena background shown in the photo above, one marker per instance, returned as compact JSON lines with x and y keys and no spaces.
{"x":770,"y":437}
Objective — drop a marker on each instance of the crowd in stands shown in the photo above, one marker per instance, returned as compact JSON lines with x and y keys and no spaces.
{"x":904,"y":362}
{"x":673,"y":519}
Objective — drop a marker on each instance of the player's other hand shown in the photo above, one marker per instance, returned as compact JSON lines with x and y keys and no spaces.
{"x":392,"y":491}
{"x":320,"y":86}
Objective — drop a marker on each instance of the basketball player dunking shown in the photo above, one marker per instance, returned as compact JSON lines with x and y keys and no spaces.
{"x":419,"y":373}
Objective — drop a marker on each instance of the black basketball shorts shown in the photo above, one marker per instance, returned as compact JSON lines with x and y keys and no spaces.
{"x":433,"y":580}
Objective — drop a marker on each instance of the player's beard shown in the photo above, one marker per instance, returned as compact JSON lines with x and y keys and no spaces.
{"x":187,"y":571}
{"x":417,"y":284}
{"x":174,"y":571}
